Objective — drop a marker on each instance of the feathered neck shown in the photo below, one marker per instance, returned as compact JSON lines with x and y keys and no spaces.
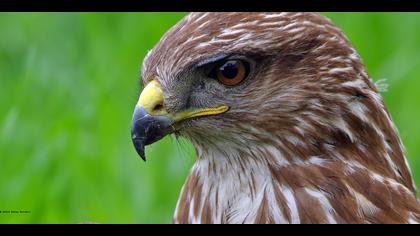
{"x":246,"y":188}
{"x":226,"y":189}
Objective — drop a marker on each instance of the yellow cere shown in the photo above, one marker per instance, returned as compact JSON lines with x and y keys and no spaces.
{"x":152,"y":96}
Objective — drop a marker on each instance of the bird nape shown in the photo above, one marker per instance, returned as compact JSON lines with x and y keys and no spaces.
{"x":287,"y":125}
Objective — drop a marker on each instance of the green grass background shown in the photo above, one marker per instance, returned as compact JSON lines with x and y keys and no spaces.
{"x":68,"y":85}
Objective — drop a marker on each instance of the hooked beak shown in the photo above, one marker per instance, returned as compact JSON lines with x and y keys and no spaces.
{"x":147,"y":129}
{"x":151,"y":122}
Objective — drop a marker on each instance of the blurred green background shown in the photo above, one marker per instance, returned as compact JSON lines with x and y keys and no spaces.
{"x":68,"y":85}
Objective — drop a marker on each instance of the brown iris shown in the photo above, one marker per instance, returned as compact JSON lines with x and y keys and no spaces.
{"x":232,"y":72}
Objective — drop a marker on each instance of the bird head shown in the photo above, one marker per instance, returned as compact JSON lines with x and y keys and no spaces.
{"x":287,"y":124}
{"x":237,"y":80}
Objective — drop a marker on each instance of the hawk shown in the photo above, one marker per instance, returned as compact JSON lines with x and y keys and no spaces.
{"x":287,"y":125}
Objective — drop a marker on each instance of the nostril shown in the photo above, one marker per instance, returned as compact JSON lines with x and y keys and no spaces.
{"x":158,"y":107}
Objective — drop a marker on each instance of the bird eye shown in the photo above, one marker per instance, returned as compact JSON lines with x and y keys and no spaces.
{"x":232,"y":72}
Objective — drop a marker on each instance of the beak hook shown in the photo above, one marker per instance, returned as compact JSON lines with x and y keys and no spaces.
{"x":147,"y":129}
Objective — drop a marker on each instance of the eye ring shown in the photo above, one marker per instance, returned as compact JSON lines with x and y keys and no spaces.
{"x":231,"y":72}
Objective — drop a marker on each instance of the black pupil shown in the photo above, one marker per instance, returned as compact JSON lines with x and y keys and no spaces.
{"x":230,"y":69}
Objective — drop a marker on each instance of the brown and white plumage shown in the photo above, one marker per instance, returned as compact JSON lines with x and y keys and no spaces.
{"x":307,"y":138}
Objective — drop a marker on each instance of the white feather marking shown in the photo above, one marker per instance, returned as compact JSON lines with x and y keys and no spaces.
{"x":279,"y":15}
{"x":273,"y":204}
{"x":295,"y":30}
{"x":203,"y":24}
{"x":357,"y":83}
{"x":354,"y":56}
{"x":291,"y":203}
{"x":275,"y":152}
{"x":412,"y":219}
{"x":378,"y":100}
{"x":316,"y":160}
{"x":293,"y":139}
{"x":192,"y":218}
{"x":290,"y":26}
{"x":201,"y":17}
{"x":359,"y":109}
{"x":277,"y":24}
{"x":325,"y":204}
{"x":246,"y":24}
{"x":342,"y":125}
{"x":341,"y":70}
{"x":365,"y":206}
{"x":229,"y":32}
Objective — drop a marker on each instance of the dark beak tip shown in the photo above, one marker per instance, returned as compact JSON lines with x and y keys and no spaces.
{"x":146,"y":129}
{"x":139,"y":146}
{"x":142,"y":155}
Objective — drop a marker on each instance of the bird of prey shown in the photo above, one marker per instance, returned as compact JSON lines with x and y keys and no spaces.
{"x":287,"y":125}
